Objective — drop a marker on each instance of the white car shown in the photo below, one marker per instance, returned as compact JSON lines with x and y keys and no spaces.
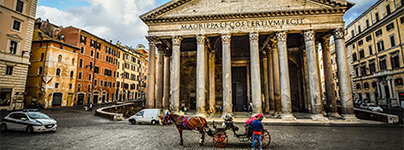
{"x":373,"y":107}
{"x":29,"y":121}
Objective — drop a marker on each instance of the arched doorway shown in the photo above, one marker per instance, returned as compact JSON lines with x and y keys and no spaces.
{"x":80,"y":99}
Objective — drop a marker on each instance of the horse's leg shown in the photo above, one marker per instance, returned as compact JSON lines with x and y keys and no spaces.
{"x":202,"y":137}
{"x":180,"y":130}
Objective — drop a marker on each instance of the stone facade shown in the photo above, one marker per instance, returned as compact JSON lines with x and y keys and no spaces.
{"x":238,"y":34}
{"x":17,"y":19}
{"x":376,"y":42}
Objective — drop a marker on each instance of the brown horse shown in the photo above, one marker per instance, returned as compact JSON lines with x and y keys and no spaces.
{"x":185,"y":123}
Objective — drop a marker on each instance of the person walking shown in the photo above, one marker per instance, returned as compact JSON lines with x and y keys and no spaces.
{"x":185,"y":110}
{"x":258,"y":129}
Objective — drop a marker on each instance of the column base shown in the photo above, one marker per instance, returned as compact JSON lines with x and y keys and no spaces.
{"x":288,"y":117}
{"x":272,"y":112}
{"x":335,"y":115}
{"x":318,"y":117}
{"x":350,"y":118}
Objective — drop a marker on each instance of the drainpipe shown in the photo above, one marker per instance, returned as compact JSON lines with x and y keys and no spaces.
{"x":42,"y":74}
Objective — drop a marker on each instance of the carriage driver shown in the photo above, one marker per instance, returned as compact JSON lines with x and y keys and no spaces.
{"x":258,"y":129}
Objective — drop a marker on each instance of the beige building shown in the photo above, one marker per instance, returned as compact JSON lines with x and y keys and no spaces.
{"x":229,"y":53}
{"x":17,"y":25}
{"x":375,"y":40}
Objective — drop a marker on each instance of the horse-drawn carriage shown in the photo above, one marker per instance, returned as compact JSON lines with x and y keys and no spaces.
{"x":220,"y":138}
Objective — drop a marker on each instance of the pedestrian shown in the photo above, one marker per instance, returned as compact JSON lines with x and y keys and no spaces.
{"x":185,"y":110}
{"x":220,"y":108}
{"x":244,"y":108}
{"x":258,"y":129}
{"x":251,"y":107}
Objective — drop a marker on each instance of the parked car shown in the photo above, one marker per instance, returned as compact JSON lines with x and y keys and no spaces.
{"x":152,"y":116}
{"x":29,"y":121}
{"x":373,"y":107}
{"x":364,"y":106}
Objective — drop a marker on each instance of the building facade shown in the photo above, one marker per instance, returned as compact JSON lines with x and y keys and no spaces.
{"x":52,"y":74}
{"x":17,"y":25}
{"x":217,"y":49}
{"x":376,"y":42}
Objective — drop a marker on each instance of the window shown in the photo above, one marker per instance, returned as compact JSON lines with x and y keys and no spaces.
{"x":58,"y":72}
{"x":89,"y":88}
{"x":390,"y":27}
{"x":354,"y":57}
{"x":5,"y":96}
{"x":71,"y":74}
{"x":360,"y":43}
{"x":80,"y":75}
{"x":20,"y":6}
{"x":362,"y":54}
{"x":374,"y":84}
{"x":42,"y":56}
{"x":101,"y":83}
{"x":392,"y":41}
{"x":81,"y":63}
{"x":380,"y":46}
{"x":95,"y":82}
{"x":366,"y":85}
{"x":399,"y":81}
{"x":372,"y":67}
{"x":97,"y":55}
{"x":91,"y":65}
{"x":89,"y":77}
{"x":92,"y":43}
{"x":79,"y":87}
{"x":61,"y":46}
{"x":356,"y":71}
{"x":92,"y":53}
{"x":40,"y":70}
{"x":56,"y":85}
{"x":363,"y":69}
{"x":388,"y":10}
{"x":379,"y":32}
{"x":368,"y":38}
{"x":70,"y":86}
{"x":359,"y":29}
{"x":367,"y":23}
{"x":377,"y":16}
{"x":83,"y":40}
{"x":383,"y":65}
{"x":13,"y":47}
{"x":73,"y":61}
{"x":96,"y":69}
{"x":402,"y":18}
{"x":358,"y":86}
{"x":395,"y":62}
{"x":370,"y":50}
{"x":16,"y":25}
{"x":9,"y":70}
{"x":109,"y":84}
{"x":105,"y":84}
{"x":60,"y":58}
{"x":353,"y":33}
{"x":82,"y":50}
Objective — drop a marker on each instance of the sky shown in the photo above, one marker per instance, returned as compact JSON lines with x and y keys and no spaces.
{"x":118,"y":20}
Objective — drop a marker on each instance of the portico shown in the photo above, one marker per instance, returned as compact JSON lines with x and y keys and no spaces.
{"x":230,"y":54}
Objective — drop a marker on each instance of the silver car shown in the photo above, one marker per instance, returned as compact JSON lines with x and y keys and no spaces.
{"x":29,"y":121}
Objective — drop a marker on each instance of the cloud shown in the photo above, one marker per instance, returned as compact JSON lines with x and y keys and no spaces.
{"x":360,"y":7}
{"x":112,"y":20}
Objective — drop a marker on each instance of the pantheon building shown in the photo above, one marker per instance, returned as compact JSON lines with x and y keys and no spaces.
{"x":230,"y":54}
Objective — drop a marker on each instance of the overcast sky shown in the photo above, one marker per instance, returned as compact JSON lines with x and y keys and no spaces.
{"x":118,"y":20}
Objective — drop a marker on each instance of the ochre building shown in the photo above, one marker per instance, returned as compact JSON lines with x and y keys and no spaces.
{"x":376,"y":41}
{"x":232,"y":53}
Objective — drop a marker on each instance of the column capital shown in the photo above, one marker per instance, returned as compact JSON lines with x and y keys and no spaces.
{"x":212,"y":51}
{"x":325,"y":40}
{"x":200,"y":39}
{"x":254,"y":37}
{"x":269,"y":48}
{"x":160,"y":47}
{"x":177,"y":40}
{"x":153,"y":40}
{"x":309,"y":35}
{"x":264,"y":54}
{"x":338,"y":33}
{"x":281,"y":36}
{"x":226,"y":38}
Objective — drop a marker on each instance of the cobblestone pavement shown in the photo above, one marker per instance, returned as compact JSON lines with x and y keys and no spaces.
{"x":82,"y":130}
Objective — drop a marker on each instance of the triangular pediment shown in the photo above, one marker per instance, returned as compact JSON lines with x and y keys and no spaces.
{"x":201,"y":8}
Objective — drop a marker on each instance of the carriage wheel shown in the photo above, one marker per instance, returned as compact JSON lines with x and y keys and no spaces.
{"x":265,"y":140}
{"x":220,"y":139}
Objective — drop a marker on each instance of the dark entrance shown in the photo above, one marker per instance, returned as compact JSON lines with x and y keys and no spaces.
{"x":80,"y":99}
{"x":57,"y":99}
{"x":239,"y":88}
{"x":193,"y":103}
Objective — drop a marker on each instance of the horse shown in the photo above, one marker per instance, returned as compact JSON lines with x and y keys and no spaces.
{"x":188,"y":123}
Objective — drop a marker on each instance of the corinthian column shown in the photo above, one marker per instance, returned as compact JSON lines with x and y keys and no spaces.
{"x":314,"y":78}
{"x":167,"y":55}
{"x":175,"y":75}
{"x":329,"y":80}
{"x":227,"y":83}
{"x":212,"y":81}
{"x":284,"y":77}
{"x":271,"y":82}
{"x":200,"y":76}
{"x":343,"y":76}
{"x":159,"y":79}
{"x":151,"y":72}
{"x":255,"y":74}
{"x":277,"y":82}
{"x":266,"y":85}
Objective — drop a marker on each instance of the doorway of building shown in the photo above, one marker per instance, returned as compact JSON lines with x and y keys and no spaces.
{"x":239,"y":88}
{"x":57,"y":99}
{"x":193,"y":103}
{"x":95,"y":98}
{"x":70,"y":99}
{"x":80,"y":99}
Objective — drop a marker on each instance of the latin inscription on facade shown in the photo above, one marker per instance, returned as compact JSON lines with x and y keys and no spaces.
{"x":242,"y":24}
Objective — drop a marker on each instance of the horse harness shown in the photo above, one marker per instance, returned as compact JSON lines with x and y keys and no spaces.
{"x":185,"y":122}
